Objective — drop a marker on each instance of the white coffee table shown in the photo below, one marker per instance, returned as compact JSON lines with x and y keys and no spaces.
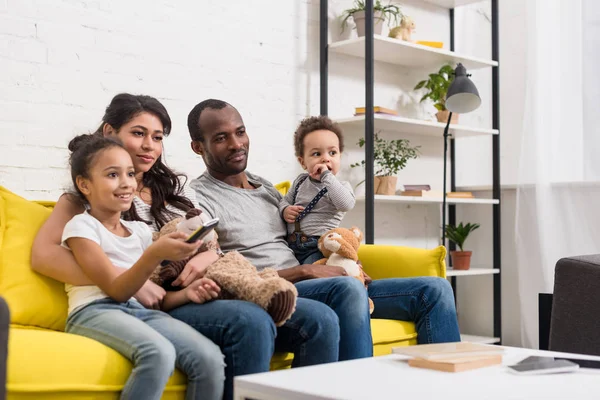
{"x":390,"y":377}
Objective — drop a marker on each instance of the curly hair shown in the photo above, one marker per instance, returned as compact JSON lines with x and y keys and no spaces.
{"x":311,"y":124}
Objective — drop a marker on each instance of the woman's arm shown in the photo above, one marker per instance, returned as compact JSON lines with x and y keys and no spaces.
{"x":48,"y":257}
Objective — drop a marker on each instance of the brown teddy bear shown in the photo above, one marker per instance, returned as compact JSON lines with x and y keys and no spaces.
{"x":236,"y":276}
{"x":340,"y":247}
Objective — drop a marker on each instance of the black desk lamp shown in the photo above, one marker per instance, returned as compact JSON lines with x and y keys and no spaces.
{"x":462,"y":97}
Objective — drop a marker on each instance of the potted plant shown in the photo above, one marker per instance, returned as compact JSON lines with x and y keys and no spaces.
{"x":391,"y":12}
{"x":458,"y":234}
{"x":437,"y":86}
{"x":391,"y":156}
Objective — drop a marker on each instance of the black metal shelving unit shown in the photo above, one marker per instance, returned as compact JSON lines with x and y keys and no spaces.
{"x":370,"y":129}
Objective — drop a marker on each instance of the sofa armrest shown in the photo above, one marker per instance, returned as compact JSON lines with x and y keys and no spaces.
{"x":4,"y":323}
{"x":382,"y":261}
{"x":575,"y":323}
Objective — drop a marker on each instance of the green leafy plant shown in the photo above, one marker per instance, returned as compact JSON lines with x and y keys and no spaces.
{"x":437,"y":86}
{"x":391,"y":12}
{"x":458,"y":234}
{"x":390,"y":155}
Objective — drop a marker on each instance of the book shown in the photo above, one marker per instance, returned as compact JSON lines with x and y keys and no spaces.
{"x":416,"y":187}
{"x":457,"y":364}
{"x":462,"y":195}
{"x":376,"y":110}
{"x":422,"y":193}
{"x":439,"y":351}
{"x":437,"y":45}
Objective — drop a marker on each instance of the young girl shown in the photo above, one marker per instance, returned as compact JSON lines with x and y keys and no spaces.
{"x":118,"y":257}
{"x":317,"y":201}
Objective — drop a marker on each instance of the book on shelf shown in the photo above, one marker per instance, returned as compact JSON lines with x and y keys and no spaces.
{"x":376,"y":110}
{"x":416,"y":187}
{"x":437,"y":194}
{"x":437,"y":45}
{"x":449,"y":351}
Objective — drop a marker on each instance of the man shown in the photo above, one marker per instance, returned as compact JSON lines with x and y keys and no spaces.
{"x":247,"y":206}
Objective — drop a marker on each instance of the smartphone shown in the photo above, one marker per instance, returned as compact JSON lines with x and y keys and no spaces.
{"x":542,"y":365}
{"x":198,"y":234}
{"x":203,"y":230}
{"x":582,"y":363}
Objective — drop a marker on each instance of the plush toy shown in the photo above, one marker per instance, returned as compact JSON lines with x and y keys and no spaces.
{"x":340,"y":247}
{"x":406,"y":28}
{"x":236,"y":276}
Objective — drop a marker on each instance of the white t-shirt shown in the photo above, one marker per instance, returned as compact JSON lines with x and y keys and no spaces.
{"x":122,"y":251}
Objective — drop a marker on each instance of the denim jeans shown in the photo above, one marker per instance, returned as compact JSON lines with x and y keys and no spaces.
{"x":306,"y":252}
{"x":248,"y":337}
{"x":426,"y":301}
{"x":155,"y":343}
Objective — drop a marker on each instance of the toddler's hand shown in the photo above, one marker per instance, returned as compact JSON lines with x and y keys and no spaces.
{"x":202,"y":290}
{"x":173,"y":247}
{"x":317,"y":170}
{"x":291,"y":213}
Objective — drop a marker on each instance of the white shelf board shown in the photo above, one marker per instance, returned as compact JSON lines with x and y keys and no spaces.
{"x":451,"y":3}
{"x":479,"y":339}
{"x":407,"y":54}
{"x":472,"y":271}
{"x":414,"y":126}
{"x":379,"y":198}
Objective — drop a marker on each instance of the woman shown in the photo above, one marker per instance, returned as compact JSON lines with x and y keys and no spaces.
{"x":141,"y":123}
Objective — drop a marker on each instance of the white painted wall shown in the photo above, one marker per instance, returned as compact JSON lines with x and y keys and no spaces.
{"x":63,"y":60}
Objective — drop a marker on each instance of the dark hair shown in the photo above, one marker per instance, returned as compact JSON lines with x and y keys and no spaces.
{"x":311,"y":124}
{"x":165,"y":185}
{"x":194,"y":116}
{"x":84,"y":150}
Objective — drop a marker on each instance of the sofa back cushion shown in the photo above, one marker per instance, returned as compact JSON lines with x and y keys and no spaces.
{"x":33,"y":299}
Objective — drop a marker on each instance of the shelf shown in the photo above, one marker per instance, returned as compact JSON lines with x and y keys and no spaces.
{"x":479,"y":339}
{"x":451,"y":3}
{"x":471,"y":272}
{"x":379,"y":198}
{"x":407,"y":54}
{"x":414,"y":126}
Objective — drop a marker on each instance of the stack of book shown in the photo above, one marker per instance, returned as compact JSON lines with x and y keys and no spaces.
{"x":425,"y":191}
{"x":452,"y":357}
{"x":376,"y":110}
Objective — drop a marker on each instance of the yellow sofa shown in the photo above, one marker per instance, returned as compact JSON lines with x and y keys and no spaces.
{"x":46,"y":363}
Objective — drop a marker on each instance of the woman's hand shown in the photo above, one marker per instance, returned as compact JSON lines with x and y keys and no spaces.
{"x":202,"y":290}
{"x":195,"y":268}
{"x":150,"y":295}
{"x":173,"y":247}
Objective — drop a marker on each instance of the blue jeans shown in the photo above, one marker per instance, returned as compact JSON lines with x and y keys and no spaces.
{"x":155,"y":343}
{"x":248,"y":337}
{"x":426,"y":301}
{"x":306,"y":252}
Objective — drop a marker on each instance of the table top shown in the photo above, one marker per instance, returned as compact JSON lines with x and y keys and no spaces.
{"x":391,"y":377}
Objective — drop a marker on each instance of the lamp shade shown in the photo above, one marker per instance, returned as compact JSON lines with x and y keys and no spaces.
{"x":462,"y":96}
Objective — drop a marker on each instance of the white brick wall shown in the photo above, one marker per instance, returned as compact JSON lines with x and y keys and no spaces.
{"x":63,"y":60}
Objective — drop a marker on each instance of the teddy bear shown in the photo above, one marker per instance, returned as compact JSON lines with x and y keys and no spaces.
{"x":340,"y":248}
{"x":235,"y":275}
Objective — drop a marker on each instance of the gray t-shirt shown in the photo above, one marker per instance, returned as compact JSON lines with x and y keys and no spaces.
{"x":249,"y":219}
{"x":330,"y":209}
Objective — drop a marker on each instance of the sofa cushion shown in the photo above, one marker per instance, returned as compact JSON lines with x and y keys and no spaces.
{"x":33,"y":299}
{"x":44,"y":363}
{"x":381,"y":261}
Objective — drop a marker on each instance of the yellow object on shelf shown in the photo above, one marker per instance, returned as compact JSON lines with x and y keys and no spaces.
{"x":437,"y":45}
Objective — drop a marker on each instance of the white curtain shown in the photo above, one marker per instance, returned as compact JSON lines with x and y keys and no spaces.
{"x":557,"y":213}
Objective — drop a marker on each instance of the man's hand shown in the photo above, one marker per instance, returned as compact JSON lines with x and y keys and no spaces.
{"x":291,"y":213}
{"x":366,"y":277}
{"x":317,"y":170}
{"x":202,"y":290}
{"x":323,"y":271}
{"x":150,"y":295}
{"x":195,"y":268}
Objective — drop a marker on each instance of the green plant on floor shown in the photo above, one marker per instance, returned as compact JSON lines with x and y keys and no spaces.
{"x":391,"y":156}
{"x":391,"y":12}
{"x":459,"y":233}
{"x":437,"y":86}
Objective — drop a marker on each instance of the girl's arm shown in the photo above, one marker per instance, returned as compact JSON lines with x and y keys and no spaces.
{"x":200,"y":291}
{"x":121,"y":286}
{"x":48,"y":257}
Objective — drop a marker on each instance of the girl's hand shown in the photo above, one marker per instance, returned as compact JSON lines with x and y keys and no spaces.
{"x":150,"y":295}
{"x":195,"y":268}
{"x":291,"y":213}
{"x":202,"y":290}
{"x":173,"y":247}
